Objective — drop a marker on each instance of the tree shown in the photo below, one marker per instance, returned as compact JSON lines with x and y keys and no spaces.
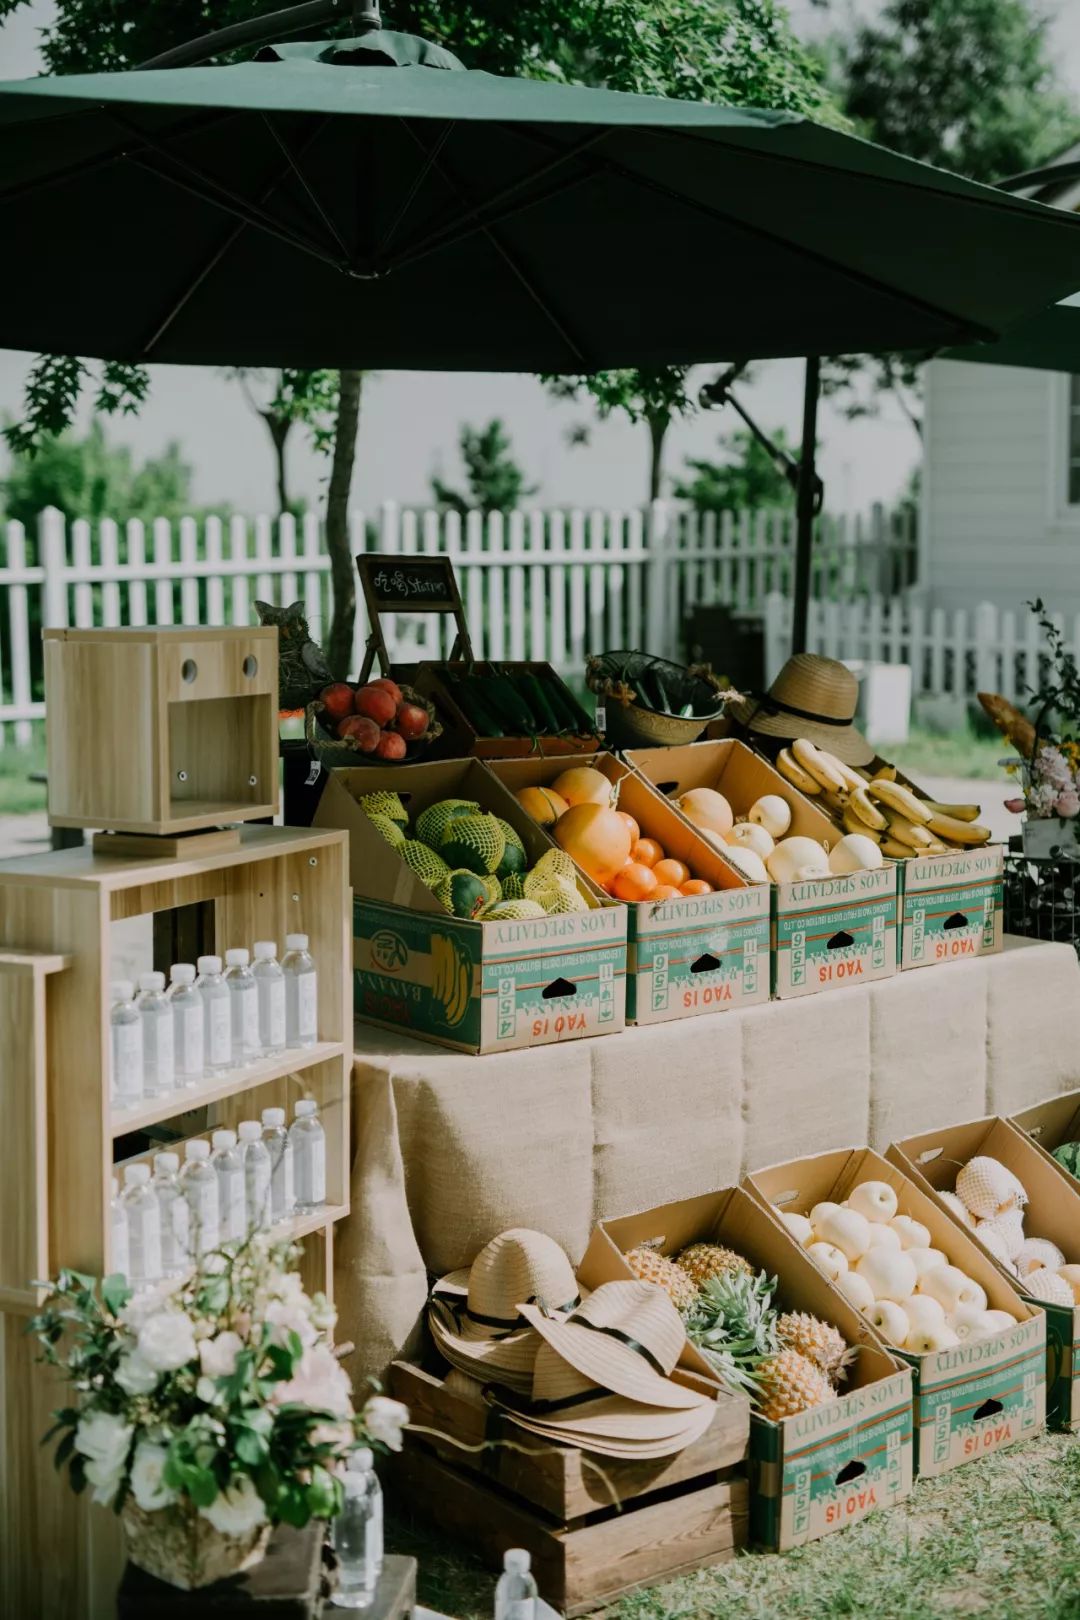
{"x":89,"y":478}
{"x":746,"y":479}
{"x":655,"y":398}
{"x":968,"y":85}
{"x":496,"y":483}
{"x":282,"y":400}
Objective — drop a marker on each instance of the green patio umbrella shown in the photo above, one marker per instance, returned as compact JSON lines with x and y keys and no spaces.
{"x":1049,"y":341}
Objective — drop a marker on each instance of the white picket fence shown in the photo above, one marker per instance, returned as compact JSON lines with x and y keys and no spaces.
{"x":552,"y":585}
{"x":983,"y":649}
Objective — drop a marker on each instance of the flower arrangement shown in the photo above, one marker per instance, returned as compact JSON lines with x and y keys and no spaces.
{"x":1049,"y":762}
{"x":208,"y":1402}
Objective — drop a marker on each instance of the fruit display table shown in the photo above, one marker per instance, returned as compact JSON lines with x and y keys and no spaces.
{"x":449,"y":1149}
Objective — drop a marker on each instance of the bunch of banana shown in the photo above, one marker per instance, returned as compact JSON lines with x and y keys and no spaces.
{"x":449,"y":978}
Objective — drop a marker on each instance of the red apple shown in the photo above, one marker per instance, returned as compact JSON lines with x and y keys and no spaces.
{"x":376,"y":703}
{"x":363,"y":732}
{"x":388,"y":686}
{"x":338,"y":700}
{"x":390,"y":745}
{"x":412,"y":720}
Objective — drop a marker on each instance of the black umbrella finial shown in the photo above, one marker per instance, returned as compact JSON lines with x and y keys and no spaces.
{"x":367,"y":18}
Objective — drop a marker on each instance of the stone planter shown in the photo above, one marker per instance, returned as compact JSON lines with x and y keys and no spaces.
{"x":180,"y":1547}
{"x":1050,"y":835}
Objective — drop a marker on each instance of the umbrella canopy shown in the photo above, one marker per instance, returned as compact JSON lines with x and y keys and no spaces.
{"x":319,"y":206}
{"x":1049,"y":341}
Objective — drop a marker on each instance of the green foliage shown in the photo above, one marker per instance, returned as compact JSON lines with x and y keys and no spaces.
{"x":89,"y":478}
{"x":745,"y":480}
{"x":496,"y":483}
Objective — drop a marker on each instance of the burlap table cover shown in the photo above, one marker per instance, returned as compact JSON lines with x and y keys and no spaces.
{"x":449,"y":1149}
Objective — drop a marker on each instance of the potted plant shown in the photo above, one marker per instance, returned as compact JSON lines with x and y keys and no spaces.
{"x":207,"y":1407}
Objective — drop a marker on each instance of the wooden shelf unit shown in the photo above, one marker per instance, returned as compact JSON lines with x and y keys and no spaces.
{"x":62,"y":1137}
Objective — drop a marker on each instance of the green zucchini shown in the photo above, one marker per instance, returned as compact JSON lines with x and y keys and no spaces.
{"x":514,"y":715}
{"x":532,"y":688}
{"x":471,"y":698}
{"x":570,"y":716}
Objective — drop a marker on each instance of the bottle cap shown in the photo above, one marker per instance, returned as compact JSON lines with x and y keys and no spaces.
{"x":151,"y":981}
{"x":182,"y":973}
{"x":209,"y":964}
{"x":517,"y":1560}
{"x":249,"y":1130}
{"x":135,"y":1175}
{"x":197,"y":1149}
{"x":305,"y":1107}
{"x":265,"y":950}
{"x":169,"y":1162}
{"x":223,"y":1139}
{"x":121,"y":990}
{"x":273,"y":1116}
{"x":361,"y":1460}
{"x":237,"y":957}
{"x":296,"y":942}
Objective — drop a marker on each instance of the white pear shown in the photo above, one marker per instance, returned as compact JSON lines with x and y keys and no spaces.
{"x":883,"y":1237}
{"x":1071,"y":1274}
{"x":854,"y":853}
{"x":1010,"y":1227}
{"x":751,"y":866}
{"x":847,"y":1229}
{"x":928,"y":1341}
{"x":913,"y":1234}
{"x":855,"y":1289}
{"x":773,"y":813}
{"x":890,"y":1275}
{"x":925,"y":1260}
{"x":957,"y":1207}
{"x":874,"y":1199}
{"x":831,"y":1260}
{"x":952,"y":1288}
{"x":924,"y":1312}
{"x":970,"y":1323}
{"x":748,"y":835}
{"x":890,"y":1320}
{"x":1036,"y":1253}
{"x":1046,"y":1286}
{"x":999,"y":1321}
{"x":993,"y":1238}
{"x":988,"y":1188}
{"x":798,"y":1225}
{"x":826,"y":1207}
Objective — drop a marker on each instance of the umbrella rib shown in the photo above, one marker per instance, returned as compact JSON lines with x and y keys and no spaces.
{"x":302,"y":178}
{"x":430,"y":159}
{"x":748,"y":227}
{"x":510,"y":260}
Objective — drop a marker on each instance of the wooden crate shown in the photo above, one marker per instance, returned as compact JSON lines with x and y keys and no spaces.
{"x":461,"y":736}
{"x":597,"y":1527}
{"x":161,"y":731}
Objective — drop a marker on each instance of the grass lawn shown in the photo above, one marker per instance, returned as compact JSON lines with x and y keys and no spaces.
{"x":18,"y":795}
{"x":998,"y":1539}
{"x":957,"y":753}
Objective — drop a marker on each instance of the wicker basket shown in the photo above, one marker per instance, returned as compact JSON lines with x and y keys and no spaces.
{"x":330,"y":750}
{"x":632,"y":723}
{"x":181,"y":1547}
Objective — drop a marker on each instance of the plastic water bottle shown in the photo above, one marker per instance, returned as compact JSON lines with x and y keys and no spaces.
{"x":125,"y":1037}
{"x":280,"y":1148}
{"x":199,"y":1184}
{"x":301,"y":993}
{"x":358,"y":1533}
{"x":120,"y":1256}
{"x":217,"y":1016}
{"x":144,"y":1225}
{"x":244,"y":1006}
{"x":173,"y":1212}
{"x":516,"y":1594}
{"x":256,"y":1156}
{"x":159,"y":1074}
{"x":270,"y":984}
{"x":309,"y":1156}
{"x":229,"y":1169}
{"x":188,"y":1040}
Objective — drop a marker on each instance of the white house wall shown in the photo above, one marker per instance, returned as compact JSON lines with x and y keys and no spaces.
{"x":996,"y":524}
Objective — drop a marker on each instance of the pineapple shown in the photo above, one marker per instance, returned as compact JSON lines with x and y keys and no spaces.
{"x":652,"y":1266}
{"x":788,"y":1383}
{"x":704,"y":1260}
{"x":734,"y":1326}
{"x":818,"y":1341}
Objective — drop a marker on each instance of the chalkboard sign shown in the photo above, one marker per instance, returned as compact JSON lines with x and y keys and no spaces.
{"x":396,"y":583}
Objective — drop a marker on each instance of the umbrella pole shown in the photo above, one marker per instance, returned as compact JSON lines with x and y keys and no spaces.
{"x":808,"y":499}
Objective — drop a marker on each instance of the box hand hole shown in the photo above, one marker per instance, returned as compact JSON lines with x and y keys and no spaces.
{"x":957,"y":920}
{"x":667,"y":788}
{"x":841,"y":941}
{"x":189,"y":671}
{"x":851,"y":1470}
{"x":558,"y":987}
{"x":705,"y":964}
{"x":989,"y":1408}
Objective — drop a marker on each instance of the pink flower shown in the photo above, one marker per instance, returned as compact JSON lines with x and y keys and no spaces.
{"x":218,"y":1356}
{"x":1067,"y":803}
{"x":1051,"y":766}
{"x":1016,"y":806}
{"x":320,"y":1382}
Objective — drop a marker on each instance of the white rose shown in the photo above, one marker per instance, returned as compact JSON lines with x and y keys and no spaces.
{"x":103,"y":1439}
{"x":207,"y":1391}
{"x":148,"y":1301}
{"x":323,"y":1315}
{"x":217,"y":1356}
{"x":286,"y":1317}
{"x":134,"y":1375}
{"x":384,"y":1420}
{"x":148,"y":1485}
{"x":167,"y":1341}
{"x":319,"y":1381}
{"x":238,"y":1510}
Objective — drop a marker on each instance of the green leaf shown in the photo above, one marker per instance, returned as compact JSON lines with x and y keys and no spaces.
{"x":77,"y":1474}
{"x":64,"y":1449}
{"x":320,"y":1495}
{"x":250,"y":1447}
{"x":201,"y":1486}
{"x":115,"y":1292}
{"x":292,"y":1506}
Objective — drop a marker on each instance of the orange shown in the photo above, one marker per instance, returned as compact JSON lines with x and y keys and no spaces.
{"x":696,"y":886}
{"x":635,"y":830}
{"x":664,"y":891}
{"x":634,"y":882}
{"x":670,"y":871}
{"x":647,"y":851}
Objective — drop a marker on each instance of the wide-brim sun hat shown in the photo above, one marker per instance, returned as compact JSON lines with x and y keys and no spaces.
{"x":812,"y":697}
{"x":625,"y":1338}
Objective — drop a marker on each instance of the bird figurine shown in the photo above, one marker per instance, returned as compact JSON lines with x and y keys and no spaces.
{"x":302,"y":667}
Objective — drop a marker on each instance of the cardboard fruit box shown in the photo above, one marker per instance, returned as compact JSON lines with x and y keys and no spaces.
{"x":933,"y":1161}
{"x":827,"y":932}
{"x":976,"y":1398}
{"x":477,"y":986}
{"x":833,"y":1464}
{"x":1050,"y":1125}
{"x":693,"y":954}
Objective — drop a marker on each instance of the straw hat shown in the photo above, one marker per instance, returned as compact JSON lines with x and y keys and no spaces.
{"x":625,"y":1338}
{"x":812,"y":697}
{"x":474,"y":1313}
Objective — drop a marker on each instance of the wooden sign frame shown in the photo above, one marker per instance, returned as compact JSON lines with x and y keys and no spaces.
{"x":396,"y":582}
